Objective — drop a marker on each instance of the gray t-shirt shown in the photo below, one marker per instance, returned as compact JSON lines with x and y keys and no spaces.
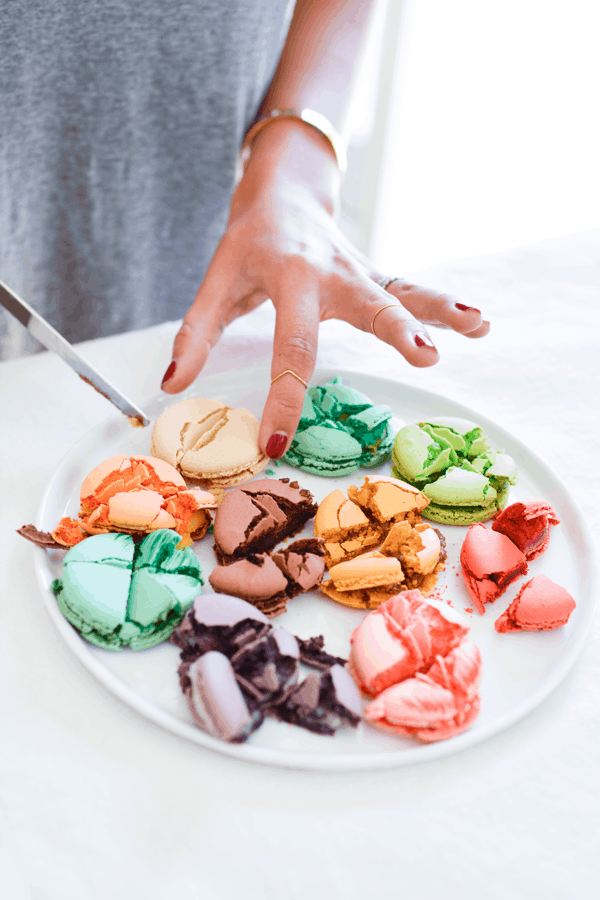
{"x":120,"y":124}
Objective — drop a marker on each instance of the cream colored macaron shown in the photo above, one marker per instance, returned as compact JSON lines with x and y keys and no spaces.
{"x":209,"y":442}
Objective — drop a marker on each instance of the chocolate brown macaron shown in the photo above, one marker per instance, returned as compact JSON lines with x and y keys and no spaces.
{"x":250,"y":522}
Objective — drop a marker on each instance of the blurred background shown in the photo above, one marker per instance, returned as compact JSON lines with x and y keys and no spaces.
{"x":475,"y":128}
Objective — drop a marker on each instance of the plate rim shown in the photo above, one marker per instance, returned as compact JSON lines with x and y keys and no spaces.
{"x":328,"y":762}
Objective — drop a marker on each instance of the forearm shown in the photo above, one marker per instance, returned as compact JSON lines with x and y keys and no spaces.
{"x":318,"y":62}
{"x":315,"y":71}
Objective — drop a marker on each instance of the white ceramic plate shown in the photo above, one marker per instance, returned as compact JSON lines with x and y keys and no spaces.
{"x":519,"y":670}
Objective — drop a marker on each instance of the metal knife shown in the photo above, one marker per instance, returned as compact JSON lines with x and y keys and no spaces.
{"x":52,"y":340}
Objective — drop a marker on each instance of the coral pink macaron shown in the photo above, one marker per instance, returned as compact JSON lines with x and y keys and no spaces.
{"x":490,"y":562}
{"x":434,"y":706}
{"x":401,"y":637}
{"x":540,"y":605}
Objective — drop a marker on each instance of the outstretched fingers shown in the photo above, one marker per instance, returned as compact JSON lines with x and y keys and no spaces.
{"x":376,"y":311}
{"x":438,"y":309}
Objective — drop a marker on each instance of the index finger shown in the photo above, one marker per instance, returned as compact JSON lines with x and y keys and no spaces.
{"x":294,"y":356}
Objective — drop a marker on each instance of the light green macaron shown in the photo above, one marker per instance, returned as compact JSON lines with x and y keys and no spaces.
{"x":451,"y":461}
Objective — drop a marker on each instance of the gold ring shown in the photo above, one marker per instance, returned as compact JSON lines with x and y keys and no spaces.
{"x":289,"y":372}
{"x":386,"y":281}
{"x":389,"y":306}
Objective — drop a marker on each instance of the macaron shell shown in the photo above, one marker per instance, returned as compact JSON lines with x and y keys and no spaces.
{"x":254,"y":518}
{"x":170,"y":427}
{"x":378,"y":656}
{"x":370,"y":598}
{"x":232,"y":453}
{"x":337,"y":517}
{"x":366,"y":571}
{"x":164,"y":472}
{"x":411,"y":705}
{"x":215,"y":699}
{"x":417,"y":455}
{"x":96,"y":595}
{"x":225,"y":610}
{"x":527,"y":525}
{"x":139,"y":509}
{"x":321,"y":450}
{"x":481,"y":592}
{"x":300,"y":563}
{"x":460,"y":488}
{"x":388,"y":499}
{"x":464,"y":515}
{"x":260,"y":579}
{"x":115,"y":549}
{"x":485,"y":552}
{"x":541,"y":605}
{"x":235,"y":516}
{"x":428,"y":557}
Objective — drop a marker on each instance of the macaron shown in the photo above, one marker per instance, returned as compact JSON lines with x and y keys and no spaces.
{"x":441,"y":704}
{"x":118,"y":595}
{"x":540,"y":605}
{"x":450,"y":460}
{"x":137,"y":495}
{"x":490,"y":562}
{"x":382,"y":511}
{"x":352,"y":525}
{"x":527,"y":525}
{"x":250,"y":522}
{"x":236,"y":669}
{"x":401,"y":638}
{"x":209,"y":442}
{"x":340,"y":431}
{"x":256,"y":517}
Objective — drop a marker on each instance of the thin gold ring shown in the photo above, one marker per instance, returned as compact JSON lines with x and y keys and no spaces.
{"x":289,"y":372}
{"x":389,"y":306}
{"x":386,"y":281}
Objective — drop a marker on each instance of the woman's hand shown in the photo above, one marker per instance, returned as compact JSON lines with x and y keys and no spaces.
{"x":282,"y":242}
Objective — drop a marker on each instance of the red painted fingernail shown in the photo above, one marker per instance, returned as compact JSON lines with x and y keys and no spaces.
{"x":423,"y":341}
{"x":464,"y":308}
{"x":276,"y":445}
{"x":169,"y":373}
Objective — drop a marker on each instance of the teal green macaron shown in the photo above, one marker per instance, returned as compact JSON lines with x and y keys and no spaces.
{"x":117,"y":594}
{"x":450,"y":460}
{"x":340,"y":431}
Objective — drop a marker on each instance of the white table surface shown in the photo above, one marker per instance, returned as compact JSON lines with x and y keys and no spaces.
{"x":96,"y":802}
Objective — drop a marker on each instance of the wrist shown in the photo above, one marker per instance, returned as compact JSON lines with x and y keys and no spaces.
{"x":291,"y":154}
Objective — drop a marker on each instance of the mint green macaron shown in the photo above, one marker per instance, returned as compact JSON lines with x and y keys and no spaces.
{"x":117,"y":594}
{"x":340,"y":431}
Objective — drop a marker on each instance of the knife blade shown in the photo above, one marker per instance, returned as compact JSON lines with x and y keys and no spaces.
{"x":42,"y":331}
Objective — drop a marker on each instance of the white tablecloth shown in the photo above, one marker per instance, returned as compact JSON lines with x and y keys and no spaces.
{"x":95,"y":802}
